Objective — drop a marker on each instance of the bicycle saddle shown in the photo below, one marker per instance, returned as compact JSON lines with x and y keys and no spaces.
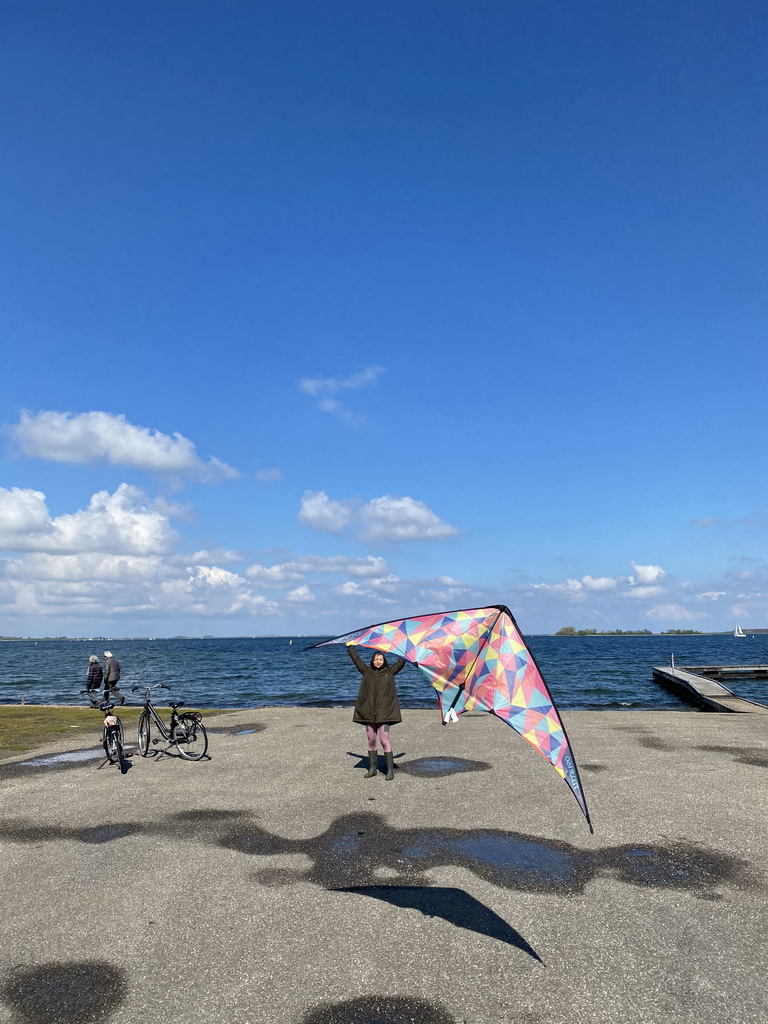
{"x":178,"y":704}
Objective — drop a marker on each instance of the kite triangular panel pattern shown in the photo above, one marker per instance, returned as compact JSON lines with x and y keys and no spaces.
{"x":477,"y":659}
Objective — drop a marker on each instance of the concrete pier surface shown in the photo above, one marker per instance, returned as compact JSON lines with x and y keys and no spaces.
{"x":692,"y":685}
{"x":273,"y":884}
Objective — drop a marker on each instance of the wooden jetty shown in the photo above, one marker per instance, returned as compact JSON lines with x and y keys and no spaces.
{"x":702,"y":685}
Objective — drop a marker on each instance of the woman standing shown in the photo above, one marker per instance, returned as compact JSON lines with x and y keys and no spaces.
{"x":377,"y":706}
{"x":94,"y":677}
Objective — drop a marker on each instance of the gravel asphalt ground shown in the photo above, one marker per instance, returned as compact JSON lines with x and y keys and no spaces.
{"x":272,"y":884}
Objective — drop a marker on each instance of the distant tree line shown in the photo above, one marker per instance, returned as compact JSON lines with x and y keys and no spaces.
{"x":572,"y":631}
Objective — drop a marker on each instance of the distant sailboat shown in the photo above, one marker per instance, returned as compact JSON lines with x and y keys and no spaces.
{"x":739,"y":631}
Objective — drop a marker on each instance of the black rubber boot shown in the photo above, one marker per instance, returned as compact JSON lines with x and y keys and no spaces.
{"x":373,"y":760}
{"x":390,"y":766}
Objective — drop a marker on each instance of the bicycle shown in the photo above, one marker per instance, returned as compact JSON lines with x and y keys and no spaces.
{"x":112,"y":736}
{"x":185,"y":731}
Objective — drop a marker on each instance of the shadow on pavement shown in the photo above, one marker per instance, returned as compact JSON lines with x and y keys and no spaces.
{"x":453,"y":905}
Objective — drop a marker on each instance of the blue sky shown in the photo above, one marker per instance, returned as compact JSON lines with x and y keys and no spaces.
{"x":321,"y":314}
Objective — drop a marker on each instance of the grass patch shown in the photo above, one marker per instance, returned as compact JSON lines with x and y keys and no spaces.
{"x":31,"y":726}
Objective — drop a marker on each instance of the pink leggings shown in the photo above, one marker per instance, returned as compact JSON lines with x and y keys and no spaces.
{"x":382,"y":731}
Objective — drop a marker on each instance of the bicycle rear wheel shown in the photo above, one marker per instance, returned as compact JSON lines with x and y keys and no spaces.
{"x":113,"y":748}
{"x":144,"y":734}
{"x":190,"y":737}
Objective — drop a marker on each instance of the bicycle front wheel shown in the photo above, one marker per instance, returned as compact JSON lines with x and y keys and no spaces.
{"x":190,"y":737}
{"x":144,"y":734}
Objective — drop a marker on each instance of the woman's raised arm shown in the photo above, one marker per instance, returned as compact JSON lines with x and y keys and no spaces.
{"x":356,"y":657}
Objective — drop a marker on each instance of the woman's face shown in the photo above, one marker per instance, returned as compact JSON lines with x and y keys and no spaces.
{"x":378,"y":660}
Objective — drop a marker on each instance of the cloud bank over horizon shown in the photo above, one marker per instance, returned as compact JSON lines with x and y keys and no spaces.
{"x":119,"y":560}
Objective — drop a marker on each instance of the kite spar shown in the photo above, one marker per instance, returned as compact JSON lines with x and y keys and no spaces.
{"x":477,"y":660}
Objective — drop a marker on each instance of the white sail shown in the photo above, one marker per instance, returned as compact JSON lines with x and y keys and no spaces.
{"x":739,"y":631}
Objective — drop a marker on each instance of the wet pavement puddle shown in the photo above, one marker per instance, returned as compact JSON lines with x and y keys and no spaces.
{"x":437,"y":767}
{"x":65,"y":993}
{"x":72,"y":757}
{"x":357,"y":850}
{"x":379,"y":1010}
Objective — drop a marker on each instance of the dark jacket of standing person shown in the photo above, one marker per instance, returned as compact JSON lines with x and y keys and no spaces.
{"x":111,"y":670}
{"x":377,"y":701}
{"x":95,"y":673}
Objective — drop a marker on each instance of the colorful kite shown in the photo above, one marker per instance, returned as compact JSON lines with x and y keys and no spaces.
{"x":477,"y":660}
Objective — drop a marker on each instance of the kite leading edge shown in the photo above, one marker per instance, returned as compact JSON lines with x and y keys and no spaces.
{"x":477,"y":660}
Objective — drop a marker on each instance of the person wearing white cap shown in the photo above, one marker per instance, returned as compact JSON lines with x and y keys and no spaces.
{"x":111,"y":676}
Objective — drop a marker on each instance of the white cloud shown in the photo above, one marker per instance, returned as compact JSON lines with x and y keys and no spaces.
{"x":22,"y":512}
{"x":105,"y":437}
{"x":376,"y":598}
{"x":92,"y":586}
{"x":390,"y":582}
{"x":350,"y":588}
{"x":643,"y":592}
{"x":253,"y":604}
{"x":713,"y":604}
{"x":600,"y":582}
{"x":646,"y":573}
{"x":119,"y":523}
{"x":222,"y":556}
{"x":320,"y":513}
{"x":317,"y":386}
{"x":297,"y":569}
{"x":323,"y":388}
{"x":209,"y":591}
{"x":269,"y":474}
{"x":273,"y":575}
{"x":371,"y":565}
{"x":670,"y":613}
{"x":92,"y":567}
{"x":384,"y":519}
{"x":571,"y":589}
{"x":398,"y":519}
{"x":301,"y":595}
{"x":214,"y":576}
{"x":575,"y":588}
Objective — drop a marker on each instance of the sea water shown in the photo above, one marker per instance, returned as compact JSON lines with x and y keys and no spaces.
{"x":600,"y":672}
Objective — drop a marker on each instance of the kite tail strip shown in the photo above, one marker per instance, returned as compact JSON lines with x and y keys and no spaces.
{"x":571,"y":776}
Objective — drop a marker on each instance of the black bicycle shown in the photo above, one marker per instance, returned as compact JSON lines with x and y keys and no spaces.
{"x":185,"y":731}
{"x":112,"y":736}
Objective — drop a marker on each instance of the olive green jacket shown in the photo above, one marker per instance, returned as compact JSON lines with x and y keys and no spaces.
{"x":377,"y":702}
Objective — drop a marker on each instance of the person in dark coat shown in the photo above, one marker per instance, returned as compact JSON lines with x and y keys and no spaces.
{"x":377,"y":706}
{"x":94,"y":677}
{"x":111,"y":677}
